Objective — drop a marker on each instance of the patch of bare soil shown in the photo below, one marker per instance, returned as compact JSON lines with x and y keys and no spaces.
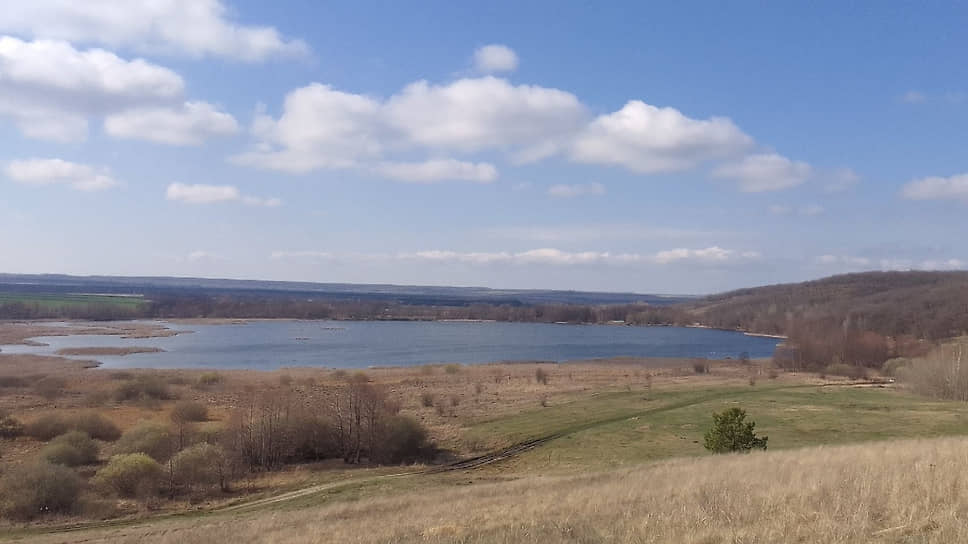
{"x":108,"y":350}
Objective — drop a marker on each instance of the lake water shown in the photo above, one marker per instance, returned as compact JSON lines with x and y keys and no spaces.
{"x":360,"y":344}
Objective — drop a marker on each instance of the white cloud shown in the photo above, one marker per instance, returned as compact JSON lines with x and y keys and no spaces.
{"x":495,"y":58}
{"x":780,"y":209}
{"x":202,"y":255}
{"x":812,"y":210}
{"x":483,"y":113}
{"x":60,"y":172}
{"x":543,"y":256}
{"x":848,"y":262}
{"x":436,"y":170}
{"x":937,"y":188}
{"x":913,"y":97}
{"x":765,"y":172}
{"x":211,"y":194}
{"x":578,"y":189}
{"x":190,"y":124}
{"x":590,"y":233}
{"x":647,"y":139}
{"x":321,"y":127}
{"x":197,"y":28}
{"x":49,"y":88}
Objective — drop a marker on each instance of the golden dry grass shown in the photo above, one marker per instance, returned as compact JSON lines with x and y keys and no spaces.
{"x":902,"y":491}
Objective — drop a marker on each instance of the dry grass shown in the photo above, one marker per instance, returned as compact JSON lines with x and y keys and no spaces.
{"x":905,"y":491}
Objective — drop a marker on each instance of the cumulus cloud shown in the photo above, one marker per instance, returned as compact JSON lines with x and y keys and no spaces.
{"x":649,"y":139}
{"x":196,"y":28}
{"x":49,"y":88}
{"x":77,"y":176}
{"x":211,"y":194}
{"x":574,"y":190}
{"x":841,"y":180}
{"x":765,"y":172}
{"x":190,"y":124}
{"x":937,"y":188}
{"x":436,"y":170}
{"x":589,"y":233}
{"x":495,"y":58}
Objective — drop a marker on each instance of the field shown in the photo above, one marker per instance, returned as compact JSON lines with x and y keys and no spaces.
{"x":68,"y":301}
{"x":584,"y":452}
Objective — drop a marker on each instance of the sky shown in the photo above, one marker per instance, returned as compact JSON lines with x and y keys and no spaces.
{"x":685,"y":148}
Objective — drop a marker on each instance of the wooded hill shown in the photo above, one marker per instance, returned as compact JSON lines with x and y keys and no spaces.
{"x":930,"y":305}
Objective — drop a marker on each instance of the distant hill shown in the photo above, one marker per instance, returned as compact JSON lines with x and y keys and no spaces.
{"x":923,"y":304}
{"x":400,"y":294}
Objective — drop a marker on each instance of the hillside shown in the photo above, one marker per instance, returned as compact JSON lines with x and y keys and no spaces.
{"x":922,"y":304}
{"x":846,"y":494}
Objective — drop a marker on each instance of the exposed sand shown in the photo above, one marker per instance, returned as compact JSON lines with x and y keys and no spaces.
{"x":108,"y":350}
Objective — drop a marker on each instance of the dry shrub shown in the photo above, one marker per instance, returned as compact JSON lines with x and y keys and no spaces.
{"x":403,"y":440}
{"x":121,"y":375}
{"x":143,"y":388}
{"x":189,"y":411}
{"x":478,"y":388}
{"x":455,"y":400}
{"x":541,"y":376}
{"x":10,"y":427}
{"x":427,"y":399}
{"x":200,"y":465}
{"x":130,"y":475}
{"x":943,"y":373}
{"x":893,"y":366}
{"x":849,"y":371}
{"x":285,"y":380}
{"x":452,"y":368}
{"x":38,"y":489}
{"x":50,"y":387}
{"x":71,"y":449}
{"x":51,"y":425}
{"x":700,"y":366}
{"x":209,"y":379}
{"x":154,"y":439}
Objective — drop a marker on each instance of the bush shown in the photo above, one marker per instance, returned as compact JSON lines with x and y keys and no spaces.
{"x":452,"y":368}
{"x":404,"y":440}
{"x":731,"y":433}
{"x":285,"y":380}
{"x":71,"y":449}
{"x":50,"y":387}
{"x":38,"y":489}
{"x":200,"y":465}
{"x":47,"y":427}
{"x":10,"y":427}
{"x":892,"y":366}
{"x":700,"y":366}
{"x":189,"y":411}
{"x":152,"y":439}
{"x":143,"y":388}
{"x":130,"y":475}
{"x":541,"y":376}
{"x":209,"y":379}
{"x":427,"y":400}
{"x":313,"y":439}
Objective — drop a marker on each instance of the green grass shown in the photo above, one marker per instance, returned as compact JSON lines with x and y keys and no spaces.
{"x":623,"y":428}
{"x":55,"y":301}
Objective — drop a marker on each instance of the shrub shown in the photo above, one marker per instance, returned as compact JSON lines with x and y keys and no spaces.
{"x":50,"y":387}
{"x":452,"y":368}
{"x":700,"y":366}
{"x":121,"y":375}
{"x":478,"y":388}
{"x":209,"y":379}
{"x":71,"y":449}
{"x":130,"y":475}
{"x":201,"y":464}
{"x":152,"y":439}
{"x":427,"y":400}
{"x":189,"y":411}
{"x":143,"y":388}
{"x":313,"y":439}
{"x":96,"y":425}
{"x":891,"y":366}
{"x":404,"y":440}
{"x":731,"y":433}
{"x":10,"y":427}
{"x":285,"y":380}
{"x":541,"y":376}
{"x":455,"y":400}
{"x":37,"y":489}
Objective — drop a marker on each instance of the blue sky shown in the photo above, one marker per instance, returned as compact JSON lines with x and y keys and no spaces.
{"x":681,"y":148}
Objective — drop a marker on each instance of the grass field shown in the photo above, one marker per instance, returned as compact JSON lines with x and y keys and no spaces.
{"x":56,"y":301}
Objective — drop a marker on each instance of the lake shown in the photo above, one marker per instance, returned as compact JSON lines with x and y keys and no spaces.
{"x":265,"y":345}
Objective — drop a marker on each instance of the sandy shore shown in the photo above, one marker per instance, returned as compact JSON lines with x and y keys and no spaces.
{"x":107,"y":350}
